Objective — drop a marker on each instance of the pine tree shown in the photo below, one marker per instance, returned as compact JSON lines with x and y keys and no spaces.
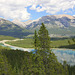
{"x":51,"y":65}
{"x":36,"y":40}
{"x":44,"y":38}
{"x":44,"y":41}
{"x":5,"y":67}
{"x":33,"y":65}
{"x":65,"y":66}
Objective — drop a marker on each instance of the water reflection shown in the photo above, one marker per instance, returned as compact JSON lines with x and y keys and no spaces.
{"x":62,"y":55}
{"x":65,"y":55}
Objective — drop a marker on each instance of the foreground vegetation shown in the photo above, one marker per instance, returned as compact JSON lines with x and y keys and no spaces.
{"x":13,"y":62}
{"x":21,"y":63}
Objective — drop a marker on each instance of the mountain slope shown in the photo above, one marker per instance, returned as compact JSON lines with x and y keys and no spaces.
{"x":10,"y":29}
{"x":56,"y":24}
{"x":22,"y":24}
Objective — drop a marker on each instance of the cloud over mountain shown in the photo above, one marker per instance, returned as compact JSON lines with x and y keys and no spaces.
{"x":17,"y":9}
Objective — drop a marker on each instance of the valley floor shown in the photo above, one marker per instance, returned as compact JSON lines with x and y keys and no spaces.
{"x":25,"y":49}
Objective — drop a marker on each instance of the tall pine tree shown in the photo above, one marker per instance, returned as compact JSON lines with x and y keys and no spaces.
{"x":51,"y":65}
{"x":44,"y":38}
{"x":36,"y":40}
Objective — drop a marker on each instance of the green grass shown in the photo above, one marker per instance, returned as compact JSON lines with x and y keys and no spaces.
{"x":28,"y":43}
{"x":2,"y":37}
{"x":59,"y":43}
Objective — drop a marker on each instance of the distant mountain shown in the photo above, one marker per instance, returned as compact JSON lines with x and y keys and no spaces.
{"x":56,"y":24}
{"x":54,"y":21}
{"x":22,"y":24}
{"x":10,"y":29}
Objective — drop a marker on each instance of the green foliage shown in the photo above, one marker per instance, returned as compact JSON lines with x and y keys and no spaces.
{"x":71,"y":70}
{"x":24,"y":62}
{"x":73,"y":40}
{"x":69,"y":42}
{"x":49,"y":60}
{"x":68,"y":46}
{"x":5,"y":67}
{"x":44,"y":38}
{"x":20,"y":63}
{"x":4,"y":48}
{"x":34,"y":65}
{"x":65,"y":66}
{"x":36,"y":40}
{"x":15,"y":57}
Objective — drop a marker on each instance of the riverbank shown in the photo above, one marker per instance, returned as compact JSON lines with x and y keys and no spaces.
{"x":29,"y":43}
{"x":15,"y":47}
{"x":62,"y":49}
{"x":25,"y":49}
{"x":3,"y":42}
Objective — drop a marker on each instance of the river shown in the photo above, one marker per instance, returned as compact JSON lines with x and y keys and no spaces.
{"x":67,"y":55}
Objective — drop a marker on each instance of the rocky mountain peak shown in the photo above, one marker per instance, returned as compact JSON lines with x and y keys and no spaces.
{"x":64,"y":15}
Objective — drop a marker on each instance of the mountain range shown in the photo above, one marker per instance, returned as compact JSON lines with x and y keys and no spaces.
{"x":56,"y":24}
{"x":8,"y":28}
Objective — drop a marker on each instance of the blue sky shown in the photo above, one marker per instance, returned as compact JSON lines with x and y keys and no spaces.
{"x":35,"y":15}
{"x":24,"y":10}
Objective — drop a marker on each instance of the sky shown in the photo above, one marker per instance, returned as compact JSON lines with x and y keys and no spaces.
{"x":24,"y":10}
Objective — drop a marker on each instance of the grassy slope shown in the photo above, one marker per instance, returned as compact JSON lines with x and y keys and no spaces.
{"x":2,"y":37}
{"x":28,"y":43}
{"x":59,"y":43}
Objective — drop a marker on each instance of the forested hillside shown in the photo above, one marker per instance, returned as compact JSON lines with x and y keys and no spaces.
{"x":21,"y":63}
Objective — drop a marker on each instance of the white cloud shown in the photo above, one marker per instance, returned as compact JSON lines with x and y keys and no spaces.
{"x":54,"y":6}
{"x":17,"y":9}
{"x":14,"y":9}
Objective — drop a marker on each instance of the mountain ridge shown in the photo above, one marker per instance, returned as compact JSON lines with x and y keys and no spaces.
{"x":60,"y":24}
{"x":8,"y":28}
{"x":50,"y":16}
{"x":56,"y":24}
